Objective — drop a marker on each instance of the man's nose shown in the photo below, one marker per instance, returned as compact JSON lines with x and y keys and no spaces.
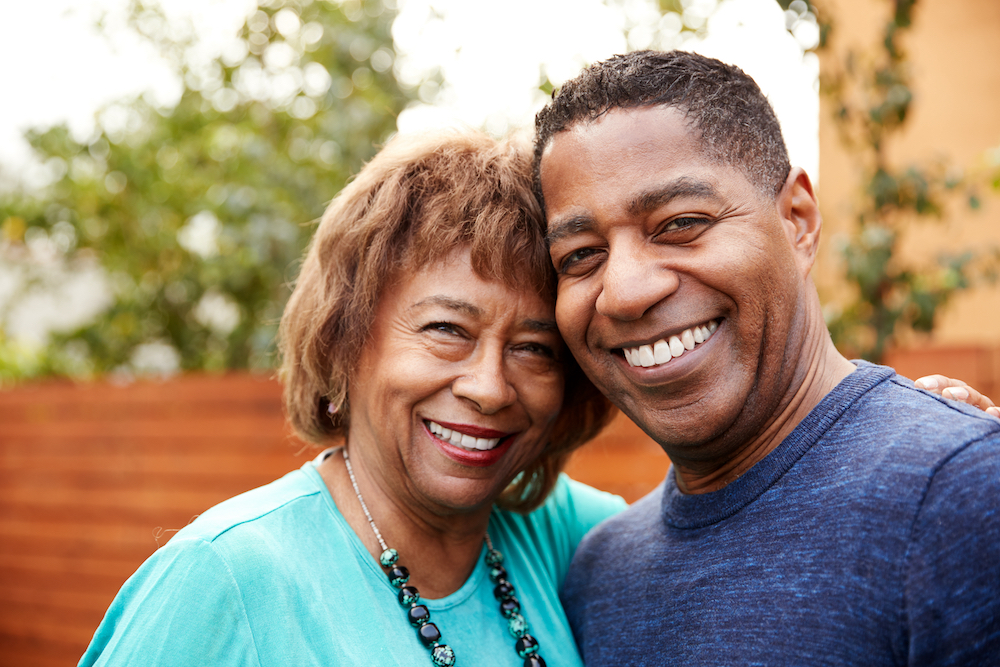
{"x":485,"y":382}
{"x":634,"y":280}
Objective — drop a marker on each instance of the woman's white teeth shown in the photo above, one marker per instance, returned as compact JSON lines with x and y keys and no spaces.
{"x":663,"y":351}
{"x":462,"y":440}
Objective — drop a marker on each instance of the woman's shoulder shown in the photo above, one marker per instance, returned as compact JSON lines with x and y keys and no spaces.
{"x":570,"y":510}
{"x":582,"y":503}
{"x":263,"y":508}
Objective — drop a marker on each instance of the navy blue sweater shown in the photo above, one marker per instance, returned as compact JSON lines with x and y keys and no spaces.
{"x":870,"y":536}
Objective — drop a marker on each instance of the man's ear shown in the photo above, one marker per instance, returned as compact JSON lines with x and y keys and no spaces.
{"x":799,"y":212}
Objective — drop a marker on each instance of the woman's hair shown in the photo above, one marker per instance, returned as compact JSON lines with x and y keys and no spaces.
{"x":421,"y":194}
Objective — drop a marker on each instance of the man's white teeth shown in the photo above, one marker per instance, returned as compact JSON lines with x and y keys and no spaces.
{"x":462,"y":440}
{"x":663,"y":351}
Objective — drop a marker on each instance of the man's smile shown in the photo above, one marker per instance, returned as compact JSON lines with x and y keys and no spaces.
{"x":665,"y":349}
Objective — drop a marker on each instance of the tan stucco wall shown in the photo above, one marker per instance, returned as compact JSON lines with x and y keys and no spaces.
{"x":954,"y":50}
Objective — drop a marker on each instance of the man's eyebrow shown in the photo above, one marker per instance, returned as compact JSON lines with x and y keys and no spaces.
{"x":681,"y":187}
{"x":574,"y":224}
{"x":450,"y":303}
{"x":643,"y":202}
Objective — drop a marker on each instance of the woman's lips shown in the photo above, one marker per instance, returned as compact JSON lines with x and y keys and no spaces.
{"x":466,"y":436}
{"x":494,"y":448}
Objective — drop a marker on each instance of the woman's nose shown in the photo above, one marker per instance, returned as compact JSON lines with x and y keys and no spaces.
{"x":485,"y":382}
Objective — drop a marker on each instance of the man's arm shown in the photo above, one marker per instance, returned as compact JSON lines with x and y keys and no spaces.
{"x":952,"y":593}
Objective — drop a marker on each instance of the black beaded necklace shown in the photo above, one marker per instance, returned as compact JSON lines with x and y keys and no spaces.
{"x":419,"y":616}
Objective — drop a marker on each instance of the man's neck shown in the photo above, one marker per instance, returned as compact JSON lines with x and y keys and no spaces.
{"x":821,"y":368}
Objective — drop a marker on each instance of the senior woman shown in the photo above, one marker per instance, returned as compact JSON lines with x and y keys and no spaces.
{"x":421,"y":339}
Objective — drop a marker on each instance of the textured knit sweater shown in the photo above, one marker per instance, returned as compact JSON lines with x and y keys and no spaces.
{"x":869,"y":536}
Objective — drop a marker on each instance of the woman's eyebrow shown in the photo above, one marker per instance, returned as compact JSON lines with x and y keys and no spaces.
{"x":448,"y":302}
{"x":540,"y":326}
{"x":451,"y":303}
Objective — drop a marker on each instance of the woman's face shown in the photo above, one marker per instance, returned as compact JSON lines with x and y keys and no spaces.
{"x":456,"y":389}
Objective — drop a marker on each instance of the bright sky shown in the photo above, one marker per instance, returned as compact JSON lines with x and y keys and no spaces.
{"x":58,"y":68}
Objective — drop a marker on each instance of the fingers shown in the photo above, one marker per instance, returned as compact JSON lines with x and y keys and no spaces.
{"x":957,"y":391}
{"x":936,"y":383}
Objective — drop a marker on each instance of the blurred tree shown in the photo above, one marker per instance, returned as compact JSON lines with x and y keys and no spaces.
{"x":197,"y":212}
{"x":872,"y":95}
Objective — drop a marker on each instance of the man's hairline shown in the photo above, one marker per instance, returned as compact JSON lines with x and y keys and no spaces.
{"x":699,"y":136}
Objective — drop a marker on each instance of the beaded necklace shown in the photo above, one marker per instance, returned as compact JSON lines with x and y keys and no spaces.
{"x":419,"y":616}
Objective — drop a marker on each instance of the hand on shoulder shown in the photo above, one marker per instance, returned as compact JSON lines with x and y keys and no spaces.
{"x":957,"y":390}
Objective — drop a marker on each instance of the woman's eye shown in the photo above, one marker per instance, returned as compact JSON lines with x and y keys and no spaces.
{"x":443,"y":327}
{"x":540,"y":349}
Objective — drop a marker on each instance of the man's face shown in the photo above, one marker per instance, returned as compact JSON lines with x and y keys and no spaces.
{"x":680,"y":291}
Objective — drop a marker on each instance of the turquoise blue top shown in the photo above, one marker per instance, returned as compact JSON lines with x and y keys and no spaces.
{"x":276,"y":577}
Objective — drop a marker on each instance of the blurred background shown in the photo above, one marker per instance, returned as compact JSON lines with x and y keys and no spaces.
{"x":162,"y":166}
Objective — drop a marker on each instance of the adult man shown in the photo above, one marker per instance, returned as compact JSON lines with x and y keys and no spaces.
{"x":816,"y":512}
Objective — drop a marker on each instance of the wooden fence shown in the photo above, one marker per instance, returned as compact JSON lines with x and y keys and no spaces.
{"x":93,"y":477}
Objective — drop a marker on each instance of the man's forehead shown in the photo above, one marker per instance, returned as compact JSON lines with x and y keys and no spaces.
{"x":626,"y":134}
{"x":644,"y":157}
{"x":619,"y":121}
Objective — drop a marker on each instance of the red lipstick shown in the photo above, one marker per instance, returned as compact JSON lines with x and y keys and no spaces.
{"x":475,"y":431}
{"x":476,"y":459}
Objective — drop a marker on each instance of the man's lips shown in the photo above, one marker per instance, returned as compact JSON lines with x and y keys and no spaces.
{"x":666,"y":349}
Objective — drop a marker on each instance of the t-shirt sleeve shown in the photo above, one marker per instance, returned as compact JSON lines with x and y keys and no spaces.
{"x":953,"y":567}
{"x":577,"y":508}
{"x":182,"y":607}
{"x":585,"y":506}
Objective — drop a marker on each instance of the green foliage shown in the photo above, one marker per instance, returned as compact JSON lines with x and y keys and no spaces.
{"x":198,"y":212}
{"x":873,"y":98}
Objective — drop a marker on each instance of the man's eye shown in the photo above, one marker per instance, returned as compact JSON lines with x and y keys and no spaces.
{"x":576,"y":259}
{"x":678,"y":224}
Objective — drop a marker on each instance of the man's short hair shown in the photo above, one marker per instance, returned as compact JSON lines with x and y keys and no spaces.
{"x":736,"y":124}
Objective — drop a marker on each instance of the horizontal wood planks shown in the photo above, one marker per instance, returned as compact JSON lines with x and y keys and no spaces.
{"x":93,"y":477}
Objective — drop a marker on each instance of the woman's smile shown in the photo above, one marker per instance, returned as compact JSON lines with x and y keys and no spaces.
{"x":467,"y":437}
{"x":457,"y":388}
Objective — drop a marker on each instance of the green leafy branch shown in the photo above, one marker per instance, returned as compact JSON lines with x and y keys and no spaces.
{"x":198,"y":212}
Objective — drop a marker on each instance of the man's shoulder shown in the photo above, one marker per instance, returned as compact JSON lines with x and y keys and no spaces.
{"x":625,"y":533}
{"x":893,"y":413}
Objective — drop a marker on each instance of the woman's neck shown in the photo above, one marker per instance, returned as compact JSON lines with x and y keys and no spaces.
{"x":439,"y":551}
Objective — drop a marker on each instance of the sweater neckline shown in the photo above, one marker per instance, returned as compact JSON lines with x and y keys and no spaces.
{"x":689,"y":511}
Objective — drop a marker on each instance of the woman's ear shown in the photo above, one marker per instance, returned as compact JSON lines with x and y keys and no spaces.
{"x":799,"y":212}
